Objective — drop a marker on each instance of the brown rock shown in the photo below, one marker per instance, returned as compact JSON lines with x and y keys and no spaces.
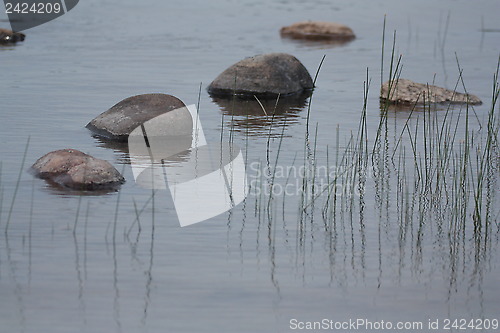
{"x":74,"y":169}
{"x":404,"y":91}
{"x":264,"y":76}
{"x":317,"y":30}
{"x":120,"y":120}
{"x":9,"y":36}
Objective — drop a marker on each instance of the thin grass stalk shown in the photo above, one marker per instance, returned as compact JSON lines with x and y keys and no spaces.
{"x":115,"y":220}
{"x":140,"y":212}
{"x":18,"y":182}
{"x":326,"y":206}
{"x":137,"y":220}
{"x":310,"y":98}
{"x":77,"y":215}
{"x":314,"y":169}
{"x":1,"y":192}
{"x":383,"y":50}
{"x":275,"y":167}
{"x":196,"y":135}
{"x":286,"y":184}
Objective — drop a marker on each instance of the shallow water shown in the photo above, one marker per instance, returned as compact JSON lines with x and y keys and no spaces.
{"x":80,"y":263}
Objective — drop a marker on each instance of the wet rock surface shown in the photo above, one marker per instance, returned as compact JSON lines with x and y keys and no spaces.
{"x":318,"y":30}
{"x":76,"y":170}
{"x":10,"y":37}
{"x":120,"y":120}
{"x":403,"y":91}
{"x":264,"y":76}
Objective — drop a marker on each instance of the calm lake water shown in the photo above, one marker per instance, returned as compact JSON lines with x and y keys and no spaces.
{"x":72,"y":262}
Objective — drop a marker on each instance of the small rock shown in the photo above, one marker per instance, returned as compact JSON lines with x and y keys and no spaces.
{"x":317,"y":30}
{"x":404,"y":91}
{"x":10,"y":37}
{"x":120,"y":120}
{"x":74,"y":169}
{"x":264,"y":76}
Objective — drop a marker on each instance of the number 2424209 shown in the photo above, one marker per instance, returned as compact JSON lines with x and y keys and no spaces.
{"x":33,"y":8}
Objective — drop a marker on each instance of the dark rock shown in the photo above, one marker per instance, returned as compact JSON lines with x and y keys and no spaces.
{"x":264,"y":76}
{"x":9,"y":36}
{"x":74,"y":169}
{"x":403,"y":91}
{"x":317,"y":30}
{"x":119,"y":121}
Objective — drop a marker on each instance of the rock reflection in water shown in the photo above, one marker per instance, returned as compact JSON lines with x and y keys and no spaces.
{"x":400,"y":110}
{"x":122,"y":148}
{"x":319,"y":44}
{"x":249,"y":117}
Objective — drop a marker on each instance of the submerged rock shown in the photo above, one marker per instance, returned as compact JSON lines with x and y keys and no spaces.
{"x":404,"y":91}
{"x":120,"y":120}
{"x":317,"y":30}
{"x":9,"y":36}
{"x":74,"y":169}
{"x":264,"y":76}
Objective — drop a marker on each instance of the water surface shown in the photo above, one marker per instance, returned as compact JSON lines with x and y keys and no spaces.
{"x":80,"y":263}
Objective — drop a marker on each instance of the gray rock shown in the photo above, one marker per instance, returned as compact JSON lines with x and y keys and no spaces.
{"x":317,"y":30}
{"x":120,"y":120}
{"x":74,"y":169}
{"x":404,"y":91}
{"x":9,"y":36}
{"x":264,"y":76}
